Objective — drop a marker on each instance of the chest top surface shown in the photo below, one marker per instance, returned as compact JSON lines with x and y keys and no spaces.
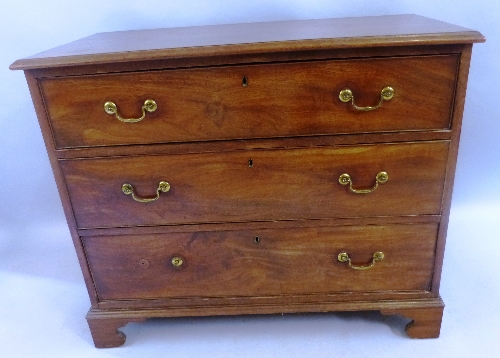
{"x":212,"y":40}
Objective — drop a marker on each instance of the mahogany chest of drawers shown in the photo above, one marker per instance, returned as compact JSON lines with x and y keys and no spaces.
{"x":297,"y":166}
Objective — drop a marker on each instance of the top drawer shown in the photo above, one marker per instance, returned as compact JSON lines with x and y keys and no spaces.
{"x":252,"y":101}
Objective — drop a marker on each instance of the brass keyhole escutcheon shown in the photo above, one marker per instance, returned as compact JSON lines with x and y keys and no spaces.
{"x":177,"y":261}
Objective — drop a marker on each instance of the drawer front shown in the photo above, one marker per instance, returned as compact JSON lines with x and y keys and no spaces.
{"x":279,"y":100}
{"x":277,"y":185}
{"x":232,"y":263}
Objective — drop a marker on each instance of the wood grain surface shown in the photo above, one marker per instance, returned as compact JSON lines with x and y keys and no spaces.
{"x":290,"y":261}
{"x":280,"y":185}
{"x":426,"y":322}
{"x":231,"y":39}
{"x":255,"y":210}
{"x":280,"y":100}
{"x":426,"y":314}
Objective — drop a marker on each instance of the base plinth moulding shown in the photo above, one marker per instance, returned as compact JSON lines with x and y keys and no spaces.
{"x":426,"y":315}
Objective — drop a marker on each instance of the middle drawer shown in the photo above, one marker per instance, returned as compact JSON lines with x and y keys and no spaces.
{"x":257,"y":185}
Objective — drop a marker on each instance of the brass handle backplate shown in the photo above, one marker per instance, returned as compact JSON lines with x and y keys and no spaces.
{"x":344,"y":257}
{"x":177,"y":261}
{"x":381,"y":178}
{"x":386,"y":94}
{"x":149,"y":106}
{"x":128,"y":189}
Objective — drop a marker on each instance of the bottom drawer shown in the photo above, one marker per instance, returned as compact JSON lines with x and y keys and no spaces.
{"x":262,"y":262}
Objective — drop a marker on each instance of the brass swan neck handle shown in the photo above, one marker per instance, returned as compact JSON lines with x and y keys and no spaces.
{"x":344,"y":257}
{"x":128,"y":189}
{"x":149,"y":106}
{"x":386,"y":94}
{"x":381,"y":178}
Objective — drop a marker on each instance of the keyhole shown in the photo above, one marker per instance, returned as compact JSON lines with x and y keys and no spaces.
{"x":143,"y":263}
{"x":250,"y":163}
{"x":244,"y":82}
{"x":257,"y":239}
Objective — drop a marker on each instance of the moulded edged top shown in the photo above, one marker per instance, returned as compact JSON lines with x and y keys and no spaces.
{"x":259,"y":37}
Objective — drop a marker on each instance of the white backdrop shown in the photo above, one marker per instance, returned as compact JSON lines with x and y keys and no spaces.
{"x":42,"y":297}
